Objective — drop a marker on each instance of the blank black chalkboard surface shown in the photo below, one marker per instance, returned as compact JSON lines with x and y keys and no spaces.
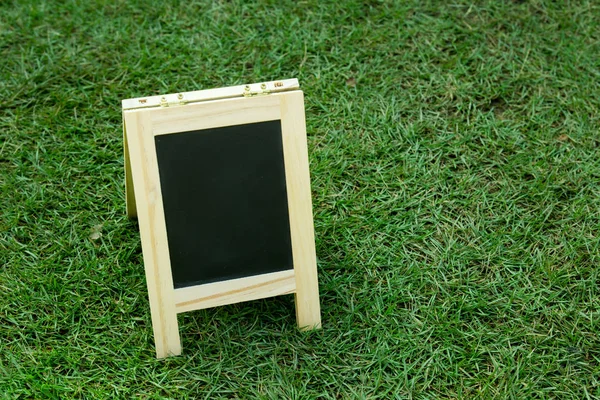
{"x":234,"y":223}
{"x":219,"y":182}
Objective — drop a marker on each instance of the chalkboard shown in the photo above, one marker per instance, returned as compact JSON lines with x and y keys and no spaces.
{"x":219,"y":182}
{"x":225,"y":202}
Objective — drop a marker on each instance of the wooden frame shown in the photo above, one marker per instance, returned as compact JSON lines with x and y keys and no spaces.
{"x":160,"y":115}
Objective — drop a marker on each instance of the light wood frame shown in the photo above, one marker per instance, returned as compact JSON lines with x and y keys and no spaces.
{"x":144,"y":200}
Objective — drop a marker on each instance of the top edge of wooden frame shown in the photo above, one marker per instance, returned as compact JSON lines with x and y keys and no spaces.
{"x":174,"y":99}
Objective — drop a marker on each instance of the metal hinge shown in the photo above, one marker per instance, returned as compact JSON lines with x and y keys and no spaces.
{"x":172,"y":100}
{"x":248,"y":92}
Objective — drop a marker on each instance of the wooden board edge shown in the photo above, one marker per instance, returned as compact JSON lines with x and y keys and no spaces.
{"x":235,"y":291}
{"x":215,"y":114}
{"x":175,"y":99}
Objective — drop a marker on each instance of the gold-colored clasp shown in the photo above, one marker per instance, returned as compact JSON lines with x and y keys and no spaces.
{"x":179,"y":101}
{"x":248,"y":92}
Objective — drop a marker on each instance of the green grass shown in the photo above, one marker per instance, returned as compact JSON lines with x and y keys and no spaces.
{"x":455,"y":163}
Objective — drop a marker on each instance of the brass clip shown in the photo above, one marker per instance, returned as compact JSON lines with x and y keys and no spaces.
{"x":249,"y":93}
{"x":164,"y":102}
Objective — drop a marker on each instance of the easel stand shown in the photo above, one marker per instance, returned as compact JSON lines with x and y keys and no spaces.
{"x":166,"y":191}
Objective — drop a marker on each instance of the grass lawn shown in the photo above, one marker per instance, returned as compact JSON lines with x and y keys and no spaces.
{"x":455,"y":163}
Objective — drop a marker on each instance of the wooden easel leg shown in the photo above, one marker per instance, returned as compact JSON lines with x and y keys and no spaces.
{"x":295,"y":151}
{"x":308,"y":308}
{"x":166,"y":331}
{"x":129,"y":191}
{"x":140,"y":157}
